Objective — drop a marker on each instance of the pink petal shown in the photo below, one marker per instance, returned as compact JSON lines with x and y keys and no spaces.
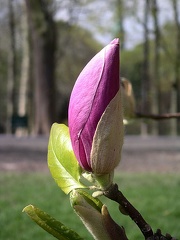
{"x":95,"y":87}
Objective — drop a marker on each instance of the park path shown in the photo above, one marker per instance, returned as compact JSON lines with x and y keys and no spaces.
{"x":140,"y":154}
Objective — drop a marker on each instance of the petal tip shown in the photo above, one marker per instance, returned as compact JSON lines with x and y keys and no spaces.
{"x":115,"y":41}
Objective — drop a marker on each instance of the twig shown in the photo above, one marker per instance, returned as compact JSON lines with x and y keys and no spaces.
{"x":158,"y":117}
{"x":114,"y":194}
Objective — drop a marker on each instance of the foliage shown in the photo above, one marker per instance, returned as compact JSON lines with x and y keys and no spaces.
{"x":50,"y":224}
{"x":76,"y":46}
{"x":131,"y":68}
{"x":3,"y":89}
{"x":61,"y":159}
{"x":164,"y":86}
{"x":131,"y":62}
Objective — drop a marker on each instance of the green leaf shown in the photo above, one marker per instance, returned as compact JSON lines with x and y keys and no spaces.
{"x":62,"y":162}
{"x":50,"y":224}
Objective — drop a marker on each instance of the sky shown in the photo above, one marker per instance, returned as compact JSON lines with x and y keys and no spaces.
{"x":102,"y":23}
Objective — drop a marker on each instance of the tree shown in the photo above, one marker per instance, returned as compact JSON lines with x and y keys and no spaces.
{"x":177,"y":58}
{"x":12,"y":68}
{"x":156,"y":88}
{"x":120,"y":17}
{"x":146,"y":81}
{"x":43,"y":32}
{"x":4,"y":45}
{"x":75,"y":47}
{"x":24,"y":75}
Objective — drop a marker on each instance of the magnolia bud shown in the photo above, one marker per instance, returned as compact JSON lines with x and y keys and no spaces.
{"x":95,"y":113}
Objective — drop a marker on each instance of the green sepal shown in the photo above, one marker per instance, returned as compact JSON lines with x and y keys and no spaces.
{"x":50,"y":224}
{"x":62,"y":162}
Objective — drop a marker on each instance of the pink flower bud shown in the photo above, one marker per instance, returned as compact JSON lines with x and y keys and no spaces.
{"x":96,"y":86}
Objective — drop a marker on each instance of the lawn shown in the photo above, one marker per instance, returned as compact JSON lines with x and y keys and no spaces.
{"x":156,"y":196}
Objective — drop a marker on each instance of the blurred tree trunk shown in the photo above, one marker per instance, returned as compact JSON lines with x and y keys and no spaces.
{"x":24,"y":78}
{"x":22,"y":110}
{"x":177,"y":59}
{"x":119,"y":12}
{"x":146,"y":83}
{"x":156,"y":105}
{"x":159,"y":97}
{"x":43,"y":31}
{"x":11,"y":109}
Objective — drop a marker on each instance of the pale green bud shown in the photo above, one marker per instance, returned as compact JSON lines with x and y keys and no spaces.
{"x":89,"y":211}
{"x":95,"y":217}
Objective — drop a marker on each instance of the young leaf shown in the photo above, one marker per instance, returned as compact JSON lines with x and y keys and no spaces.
{"x":78,"y":194}
{"x":61,"y":159}
{"x":50,"y":224}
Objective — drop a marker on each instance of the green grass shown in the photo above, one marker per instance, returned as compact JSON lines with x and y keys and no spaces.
{"x":156,"y":196}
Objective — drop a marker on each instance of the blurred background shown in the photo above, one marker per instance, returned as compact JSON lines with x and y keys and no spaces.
{"x":45,"y":44}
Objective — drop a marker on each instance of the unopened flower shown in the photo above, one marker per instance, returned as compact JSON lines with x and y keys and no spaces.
{"x":95,"y":112}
